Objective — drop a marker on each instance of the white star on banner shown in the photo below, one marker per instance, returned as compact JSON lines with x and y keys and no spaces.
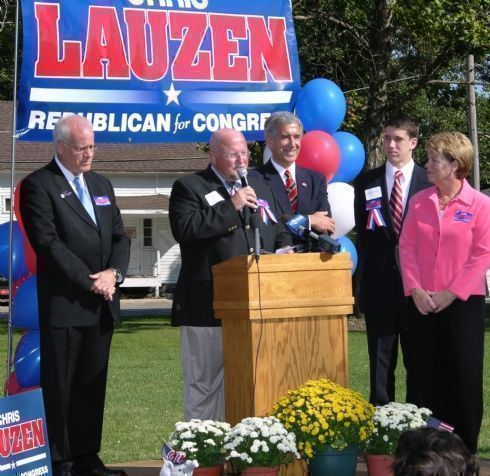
{"x":172,"y":95}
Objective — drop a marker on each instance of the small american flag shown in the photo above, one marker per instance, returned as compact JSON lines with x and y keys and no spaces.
{"x":177,"y":457}
{"x":433,"y":422}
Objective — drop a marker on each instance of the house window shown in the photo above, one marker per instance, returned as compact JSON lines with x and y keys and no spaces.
{"x":147,"y":232}
{"x":6,"y":205}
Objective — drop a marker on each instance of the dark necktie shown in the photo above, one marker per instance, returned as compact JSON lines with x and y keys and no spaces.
{"x":292,"y":191}
{"x":396,"y":203}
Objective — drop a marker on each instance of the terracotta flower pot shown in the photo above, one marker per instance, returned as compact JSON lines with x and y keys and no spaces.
{"x":261,"y":471}
{"x":209,"y":471}
{"x":379,"y":465}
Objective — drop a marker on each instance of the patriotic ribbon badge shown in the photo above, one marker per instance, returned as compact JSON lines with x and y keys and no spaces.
{"x":374,"y":218}
{"x":265,"y":211}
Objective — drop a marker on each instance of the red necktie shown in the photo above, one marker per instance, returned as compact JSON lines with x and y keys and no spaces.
{"x":396,"y":203}
{"x":292,"y":191}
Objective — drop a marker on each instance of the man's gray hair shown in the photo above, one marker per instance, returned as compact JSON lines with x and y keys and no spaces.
{"x":62,"y":129}
{"x":278,"y":119}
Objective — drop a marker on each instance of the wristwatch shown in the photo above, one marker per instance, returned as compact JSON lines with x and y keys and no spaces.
{"x":117,"y":274}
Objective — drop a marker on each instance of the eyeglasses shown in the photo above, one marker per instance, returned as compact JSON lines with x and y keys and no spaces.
{"x":82,"y":150}
{"x":243,"y":154}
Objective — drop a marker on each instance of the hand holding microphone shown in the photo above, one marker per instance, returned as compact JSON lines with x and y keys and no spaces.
{"x":245,"y":197}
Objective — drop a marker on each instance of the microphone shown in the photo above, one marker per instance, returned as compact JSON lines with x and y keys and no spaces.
{"x":297,"y":225}
{"x":294,"y":222}
{"x":255,"y":220}
{"x":242,"y":175}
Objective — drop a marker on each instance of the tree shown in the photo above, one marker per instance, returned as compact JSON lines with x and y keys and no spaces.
{"x":392,"y":49}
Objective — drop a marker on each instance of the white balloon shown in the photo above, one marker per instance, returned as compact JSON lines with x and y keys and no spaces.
{"x":341,"y":199}
{"x":267,"y":154}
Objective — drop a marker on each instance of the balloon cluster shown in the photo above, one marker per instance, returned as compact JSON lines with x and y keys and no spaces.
{"x":336,"y":154}
{"x":27,"y":360}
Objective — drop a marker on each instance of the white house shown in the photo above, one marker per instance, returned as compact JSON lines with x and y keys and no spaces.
{"x":142,"y":176}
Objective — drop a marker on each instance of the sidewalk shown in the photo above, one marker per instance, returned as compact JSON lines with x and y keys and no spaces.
{"x":148,"y":306}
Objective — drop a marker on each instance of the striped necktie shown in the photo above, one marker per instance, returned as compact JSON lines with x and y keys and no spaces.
{"x":396,"y":203}
{"x":292,"y":191}
{"x":84,"y":198}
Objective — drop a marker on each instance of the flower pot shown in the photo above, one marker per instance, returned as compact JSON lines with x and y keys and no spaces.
{"x":209,"y":471}
{"x":379,"y":465}
{"x":261,"y":471}
{"x":333,"y":462}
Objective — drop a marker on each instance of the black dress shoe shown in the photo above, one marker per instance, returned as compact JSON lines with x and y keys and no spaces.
{"x":98,"y":471}
{"x":63,"y":468}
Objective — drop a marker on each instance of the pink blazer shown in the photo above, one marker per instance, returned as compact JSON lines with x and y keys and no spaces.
{"x":450,"y":250}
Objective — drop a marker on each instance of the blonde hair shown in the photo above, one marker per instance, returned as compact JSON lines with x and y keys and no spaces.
{"x":454,"y":146}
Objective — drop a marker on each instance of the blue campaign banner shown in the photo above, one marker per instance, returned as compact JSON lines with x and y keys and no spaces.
{"x":156,"y":70}
{"x":24,"y":448}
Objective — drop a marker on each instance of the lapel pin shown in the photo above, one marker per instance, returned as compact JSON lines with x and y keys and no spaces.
{"x":303,"y":184}
{"x":65,"y":194}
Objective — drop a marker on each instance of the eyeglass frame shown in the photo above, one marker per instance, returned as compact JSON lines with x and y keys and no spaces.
{"x":236,"y":155}
{"x":87,"y":148}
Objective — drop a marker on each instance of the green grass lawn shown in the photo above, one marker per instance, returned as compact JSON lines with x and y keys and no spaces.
{"x":144,"y":395}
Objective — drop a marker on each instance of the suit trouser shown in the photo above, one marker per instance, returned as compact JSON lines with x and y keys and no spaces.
{"x":448,"y":364}
{"x":74,"y":363}
{"x":384,"y":331}
{"x":201,"y":353}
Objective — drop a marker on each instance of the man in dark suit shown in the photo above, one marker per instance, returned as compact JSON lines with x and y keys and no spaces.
{"x":378,"y":227}
{"x":210,"y":218}
{"x":73,"y":223}
{"x":297,"y":189}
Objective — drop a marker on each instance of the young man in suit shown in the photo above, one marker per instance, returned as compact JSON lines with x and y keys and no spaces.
{"x":209,"y":216}
{"x":297,"y":189}
{"x":378,"y":225}
{"x":73,"y":223}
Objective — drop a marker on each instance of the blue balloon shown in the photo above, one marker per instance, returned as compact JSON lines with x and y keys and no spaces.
{"x":352,"y":157}
{"x":347,"y":246}
{"x":19,"y":266}
{"x":27,"y":360}
{"x":321,"y":105}
{"x":25,"y":312}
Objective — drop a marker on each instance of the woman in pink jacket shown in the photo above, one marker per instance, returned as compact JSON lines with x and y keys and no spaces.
{"x":444,"y":255}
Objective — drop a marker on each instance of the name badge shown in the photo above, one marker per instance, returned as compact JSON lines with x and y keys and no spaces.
{"x":213,"y":198}
{"x":372,"y":193}
{"x":102,"y":201}
{"x":463,"y":216}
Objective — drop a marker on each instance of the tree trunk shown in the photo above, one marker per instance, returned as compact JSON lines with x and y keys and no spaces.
{"x":381,"y":36}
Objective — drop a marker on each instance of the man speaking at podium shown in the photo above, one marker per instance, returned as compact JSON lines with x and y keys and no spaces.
{"x":212,"y":215}
{"x":298,"y":190}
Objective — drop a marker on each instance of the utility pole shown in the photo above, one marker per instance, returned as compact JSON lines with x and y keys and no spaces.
{"x":473,"y":128}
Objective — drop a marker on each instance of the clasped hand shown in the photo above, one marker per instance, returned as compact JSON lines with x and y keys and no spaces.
{"x":430,"y":301}
{"x":104,"y":284}
{"x":245,"y":197}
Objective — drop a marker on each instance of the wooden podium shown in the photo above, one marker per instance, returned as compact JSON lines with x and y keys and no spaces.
{"x":284,"y":322}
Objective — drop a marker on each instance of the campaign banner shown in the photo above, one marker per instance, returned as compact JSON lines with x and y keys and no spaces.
{"x":156,"y":70}
{"x":24,"y":448}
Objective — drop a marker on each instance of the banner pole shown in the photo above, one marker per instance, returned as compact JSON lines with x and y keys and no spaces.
{"x":12,"y":184}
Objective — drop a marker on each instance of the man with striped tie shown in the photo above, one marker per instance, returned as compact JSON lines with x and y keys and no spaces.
{"x":381,"y":197}
{"x":296,"y":189}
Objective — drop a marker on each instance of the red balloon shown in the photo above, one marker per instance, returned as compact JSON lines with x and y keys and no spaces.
{"x":320,"y":152}
{"x":29,"y":254}
{"x":12,"y":386}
